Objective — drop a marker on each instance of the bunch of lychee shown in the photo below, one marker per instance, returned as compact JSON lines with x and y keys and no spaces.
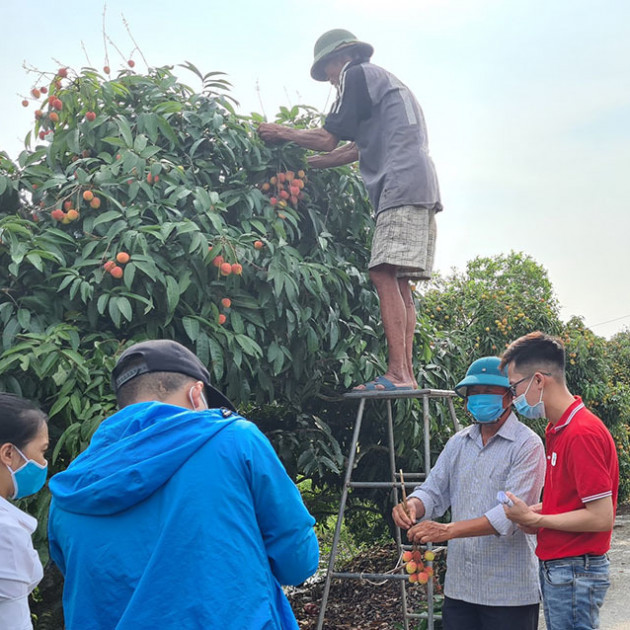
{"x":55,"y":104}
{"x":113,"y":268}
{"x":69,"y":213}
{"x":285,"y":188}
{"x":419,"y":573}
{"x":225,"y":268}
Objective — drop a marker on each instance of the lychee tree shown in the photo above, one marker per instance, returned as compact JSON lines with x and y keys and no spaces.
{"x":142,"y":208}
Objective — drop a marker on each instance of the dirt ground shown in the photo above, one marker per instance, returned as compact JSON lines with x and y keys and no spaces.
{"x":353,"y":605}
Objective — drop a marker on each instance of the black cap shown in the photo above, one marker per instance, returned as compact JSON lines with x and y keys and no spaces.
{"x":164,"y":355}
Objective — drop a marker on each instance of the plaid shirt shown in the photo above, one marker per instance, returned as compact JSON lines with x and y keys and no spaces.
{"x":499,"y":570}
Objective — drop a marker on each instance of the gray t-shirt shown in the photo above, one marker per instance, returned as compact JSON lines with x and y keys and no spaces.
{"x":381,"y":115}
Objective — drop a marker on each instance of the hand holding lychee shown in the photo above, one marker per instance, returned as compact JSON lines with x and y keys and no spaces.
{"x":430,"y":531}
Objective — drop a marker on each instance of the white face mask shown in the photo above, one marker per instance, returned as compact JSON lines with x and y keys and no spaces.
{"x":525,"y":409}
{"x":205,"y":402}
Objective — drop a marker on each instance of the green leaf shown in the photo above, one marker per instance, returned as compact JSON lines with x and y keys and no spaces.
{"x":114,"y":311}
{"x":125,"y":131}
{"x":36,"y":261}
{"x":124,"y":306}
{"x":140,"y":143}
{"x":73,"y":141}
{"x":191,"y":326}
{"x":172,"y":293}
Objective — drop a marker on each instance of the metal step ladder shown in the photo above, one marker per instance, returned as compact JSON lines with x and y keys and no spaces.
{"x":394,"y":483}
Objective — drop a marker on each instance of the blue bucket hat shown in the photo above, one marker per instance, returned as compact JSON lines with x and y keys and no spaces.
{"x":484,"y":371}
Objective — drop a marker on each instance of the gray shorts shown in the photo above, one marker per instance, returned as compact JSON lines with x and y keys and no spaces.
{"x":405,"y":237}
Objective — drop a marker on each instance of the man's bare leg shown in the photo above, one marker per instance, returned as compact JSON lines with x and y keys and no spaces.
{"x":394,"y":313}
{"x":410,"y":305}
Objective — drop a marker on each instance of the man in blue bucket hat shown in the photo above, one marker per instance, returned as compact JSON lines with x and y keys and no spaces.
{"x":385,"y":127}
{"x":492,"y":576}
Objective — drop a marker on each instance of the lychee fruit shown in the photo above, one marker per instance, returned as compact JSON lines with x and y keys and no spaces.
{"x":423,"y":578}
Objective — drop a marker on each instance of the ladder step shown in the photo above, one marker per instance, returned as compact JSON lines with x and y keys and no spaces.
{"x":370,"y":576}
{"x":423,"y":615}
{"x":376,"y":484}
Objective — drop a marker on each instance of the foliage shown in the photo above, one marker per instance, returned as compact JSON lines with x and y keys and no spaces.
{"x":178,"y":177}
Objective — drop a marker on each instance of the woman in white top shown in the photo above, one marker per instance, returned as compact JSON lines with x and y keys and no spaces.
{"x":23,"y":468}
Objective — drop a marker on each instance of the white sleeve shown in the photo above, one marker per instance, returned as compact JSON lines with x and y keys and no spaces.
{"x":15,"y":615}
{"x":20,"y":567}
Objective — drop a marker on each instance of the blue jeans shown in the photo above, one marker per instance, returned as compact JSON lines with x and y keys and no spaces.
{"x":573,"y":591}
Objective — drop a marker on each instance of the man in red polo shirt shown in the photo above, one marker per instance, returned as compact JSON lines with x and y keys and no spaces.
{"x":575,"y":520}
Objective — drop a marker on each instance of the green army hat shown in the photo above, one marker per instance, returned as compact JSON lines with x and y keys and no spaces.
{"x":330,"y":42}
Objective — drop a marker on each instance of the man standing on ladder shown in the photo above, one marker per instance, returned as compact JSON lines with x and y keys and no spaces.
{"x":491,"y":576}
{"x":385,"y":126}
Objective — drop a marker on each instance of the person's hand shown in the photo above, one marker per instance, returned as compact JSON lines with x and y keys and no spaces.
{"x":523,"y":515}
{"x":429,"y":531}
{"x":405,"y":519}
{"x":271,"y":133}
{"x":537,"y":508}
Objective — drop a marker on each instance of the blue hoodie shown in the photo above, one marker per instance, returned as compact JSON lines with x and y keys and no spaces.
{"x":178,"y":519}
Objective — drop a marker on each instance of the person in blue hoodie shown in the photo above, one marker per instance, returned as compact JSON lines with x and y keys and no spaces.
{"x":179,"y":514}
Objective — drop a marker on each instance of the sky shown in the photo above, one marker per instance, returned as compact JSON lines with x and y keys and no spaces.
{"x":527,"y":106}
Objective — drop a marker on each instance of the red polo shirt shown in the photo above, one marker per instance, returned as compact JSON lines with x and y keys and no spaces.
{"x":582,"y":466}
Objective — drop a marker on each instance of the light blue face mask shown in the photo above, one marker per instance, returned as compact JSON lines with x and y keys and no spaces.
{"x":29,"y":478}
{"x":531,"y":412}
{"x":485,"y":407}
